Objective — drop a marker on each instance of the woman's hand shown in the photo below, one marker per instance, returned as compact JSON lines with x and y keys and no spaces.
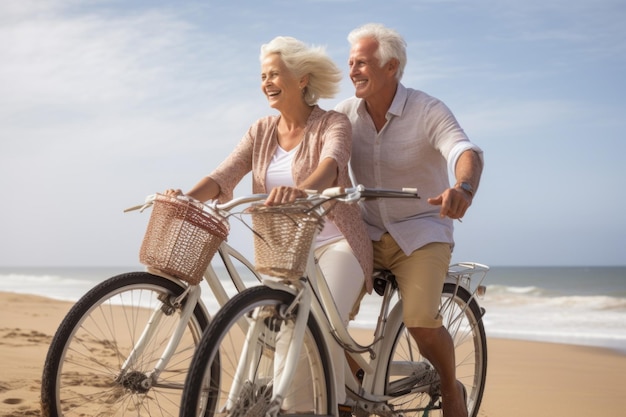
{"x":173,"y":193}
{"x":283,"y":195}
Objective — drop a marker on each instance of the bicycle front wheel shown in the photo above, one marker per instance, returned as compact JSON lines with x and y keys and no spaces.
{"x":89,"y":368}
{"x":462,"y":317}
{"x":251,"y":335}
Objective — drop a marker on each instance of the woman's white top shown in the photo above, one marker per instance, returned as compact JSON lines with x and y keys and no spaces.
{"x":279,"y":173}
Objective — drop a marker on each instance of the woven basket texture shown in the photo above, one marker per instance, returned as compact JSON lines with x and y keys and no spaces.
{"x":181,"y":239}
{"x":283,"y":239}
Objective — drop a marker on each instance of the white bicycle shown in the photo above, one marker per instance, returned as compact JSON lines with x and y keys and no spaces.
{"x":272,"y":341}
{"x":125,"y":347}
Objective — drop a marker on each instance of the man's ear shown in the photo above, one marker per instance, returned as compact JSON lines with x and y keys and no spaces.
{"x":392,"y":66}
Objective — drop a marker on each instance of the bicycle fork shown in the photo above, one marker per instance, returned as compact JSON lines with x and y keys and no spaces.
{"x":142,"y":382}
{"x":262,"y":336}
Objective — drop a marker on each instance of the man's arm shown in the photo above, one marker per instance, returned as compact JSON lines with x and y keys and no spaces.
{"x":469,"y":168}
{"x":455,"y":201}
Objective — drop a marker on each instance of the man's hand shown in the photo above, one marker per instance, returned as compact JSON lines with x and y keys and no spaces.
{"x":454,"y":202}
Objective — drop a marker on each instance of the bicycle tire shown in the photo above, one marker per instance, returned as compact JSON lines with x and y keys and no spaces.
{"x":470,"y":345}
{"x":81,"y":374}
{"x":224,"y":339}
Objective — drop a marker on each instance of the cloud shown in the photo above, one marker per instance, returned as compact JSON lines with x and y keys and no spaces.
{"x":146,"y":58}
{"x":104,"y":101}
{"x":138,"y":78}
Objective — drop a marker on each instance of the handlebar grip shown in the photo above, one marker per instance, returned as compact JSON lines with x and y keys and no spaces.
{"x":410,"y":190}
{"x":333,"y":192}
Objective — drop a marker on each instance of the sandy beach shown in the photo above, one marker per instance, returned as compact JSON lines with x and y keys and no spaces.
{"x":524,"y":378}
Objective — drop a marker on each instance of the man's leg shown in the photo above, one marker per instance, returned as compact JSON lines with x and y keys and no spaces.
{"x":420,"y":277}
{"x":437,"y":346}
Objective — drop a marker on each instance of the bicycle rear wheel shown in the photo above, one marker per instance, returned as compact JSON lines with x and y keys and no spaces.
{"x":83,"y":370}
{"x":463,"y":319}
{"x":250,"y":335}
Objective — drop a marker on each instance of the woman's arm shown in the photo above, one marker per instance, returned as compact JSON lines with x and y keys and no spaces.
{"x":205,"y":189}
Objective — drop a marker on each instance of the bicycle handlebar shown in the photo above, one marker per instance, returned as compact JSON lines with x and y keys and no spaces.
{"x":361,"y":192}
{"x":346,"y":195}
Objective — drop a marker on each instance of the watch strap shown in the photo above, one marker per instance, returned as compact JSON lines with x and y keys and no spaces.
{"x":467,"y":187}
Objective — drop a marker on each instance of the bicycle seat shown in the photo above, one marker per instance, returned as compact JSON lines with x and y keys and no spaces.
{"x":381,"y":278}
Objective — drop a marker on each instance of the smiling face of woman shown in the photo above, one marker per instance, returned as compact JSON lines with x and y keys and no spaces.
{"x":279,"y":85}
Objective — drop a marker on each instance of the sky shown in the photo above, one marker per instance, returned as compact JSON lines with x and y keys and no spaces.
{"x":103,"y":102}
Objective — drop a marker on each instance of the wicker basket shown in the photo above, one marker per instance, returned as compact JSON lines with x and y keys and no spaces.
{"x":181,"y":238}
{"x":283,"y":238}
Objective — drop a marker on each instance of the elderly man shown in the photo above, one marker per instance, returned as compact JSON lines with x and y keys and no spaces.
{"x":403,"y":137}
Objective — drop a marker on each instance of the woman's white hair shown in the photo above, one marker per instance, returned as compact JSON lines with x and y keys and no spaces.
{"x":301,"y":60}
{"x":390,"y":44}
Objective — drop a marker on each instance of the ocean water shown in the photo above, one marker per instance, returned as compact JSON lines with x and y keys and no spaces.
{"x":574,"y":305}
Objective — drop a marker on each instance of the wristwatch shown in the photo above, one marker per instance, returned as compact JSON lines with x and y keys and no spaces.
{"x":467,"y":187}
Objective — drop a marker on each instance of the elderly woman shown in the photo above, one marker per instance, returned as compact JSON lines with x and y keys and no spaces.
{"x":304,"y":147}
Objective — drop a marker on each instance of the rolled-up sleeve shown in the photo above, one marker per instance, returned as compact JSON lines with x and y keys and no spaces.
{"x":458,"y":149}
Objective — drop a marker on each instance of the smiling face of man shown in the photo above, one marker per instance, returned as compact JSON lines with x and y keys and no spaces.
{"x":368,"y":76}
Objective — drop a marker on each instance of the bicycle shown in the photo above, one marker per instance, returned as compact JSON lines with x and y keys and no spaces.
{"x":126,"y":345}
{"x":272,"y":341}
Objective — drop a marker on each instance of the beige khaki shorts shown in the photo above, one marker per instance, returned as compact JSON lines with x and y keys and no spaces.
{"x":420,"y":278}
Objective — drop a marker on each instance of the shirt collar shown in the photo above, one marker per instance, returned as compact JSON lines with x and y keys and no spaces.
{"x":399,"y":100}
{"x":397,"y":104}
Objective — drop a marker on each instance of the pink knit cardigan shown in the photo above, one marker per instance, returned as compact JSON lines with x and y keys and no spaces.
{"x":328,"y":134}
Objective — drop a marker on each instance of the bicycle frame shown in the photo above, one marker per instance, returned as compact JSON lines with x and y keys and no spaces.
{"x":191,"y":297}
{"x":322,"y":307}
{"x":312,"y":296}
{"x":277,"y":349}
